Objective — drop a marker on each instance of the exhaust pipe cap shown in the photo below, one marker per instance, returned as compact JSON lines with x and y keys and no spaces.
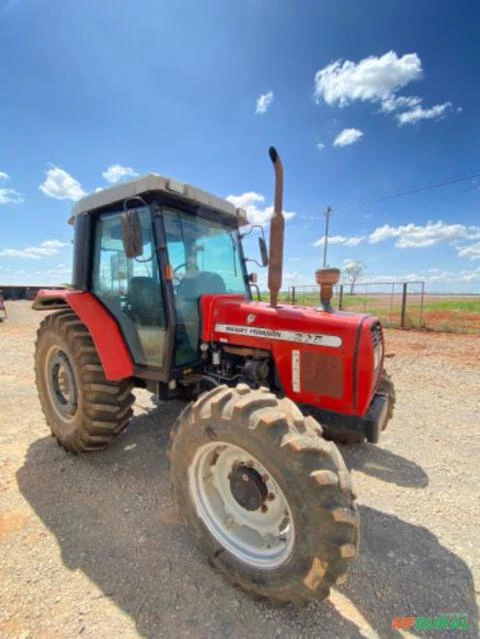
{"x":327,"y":278}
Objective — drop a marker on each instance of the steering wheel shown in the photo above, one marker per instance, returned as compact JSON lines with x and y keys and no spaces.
{"x":176,"y":278}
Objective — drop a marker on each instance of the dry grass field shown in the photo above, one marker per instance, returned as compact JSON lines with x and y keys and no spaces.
{"x":443,"y":313}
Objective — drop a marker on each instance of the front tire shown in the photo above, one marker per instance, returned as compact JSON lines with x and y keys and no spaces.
{"x":267,"y":499}
{"x":387,"y":387}
{"x":84,"y":410}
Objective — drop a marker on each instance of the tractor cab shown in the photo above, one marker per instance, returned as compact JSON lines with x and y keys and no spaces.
{"x":149,"y":250}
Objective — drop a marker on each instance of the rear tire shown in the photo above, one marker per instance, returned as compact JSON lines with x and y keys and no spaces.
{"x":280,"y":447}
{"x":84,"y":410}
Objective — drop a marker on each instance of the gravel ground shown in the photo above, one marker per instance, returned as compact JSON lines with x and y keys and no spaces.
{"x":94,"y":546}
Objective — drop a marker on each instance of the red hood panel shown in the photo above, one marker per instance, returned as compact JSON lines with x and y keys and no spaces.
{"x":259,"y":319}
{"x":306,"y":344}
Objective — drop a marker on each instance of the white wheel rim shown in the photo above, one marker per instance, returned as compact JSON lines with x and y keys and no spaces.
{"x":61,"y":384}
{"x":264,"y":537}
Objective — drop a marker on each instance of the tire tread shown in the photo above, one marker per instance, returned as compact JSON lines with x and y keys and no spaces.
{"x":106,"y":406}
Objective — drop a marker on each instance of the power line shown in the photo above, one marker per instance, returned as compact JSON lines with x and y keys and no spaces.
{"x":428,"y":187}
{"x":418,"y":189}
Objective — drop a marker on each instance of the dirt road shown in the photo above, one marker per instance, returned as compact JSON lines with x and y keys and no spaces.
{"x":93,"y":546}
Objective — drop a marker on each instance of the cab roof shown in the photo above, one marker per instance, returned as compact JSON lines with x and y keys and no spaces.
{"x":151,"y":183}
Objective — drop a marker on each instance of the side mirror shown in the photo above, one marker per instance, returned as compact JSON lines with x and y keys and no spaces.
{"x":131,"y":233}
{"x":262,"y":245}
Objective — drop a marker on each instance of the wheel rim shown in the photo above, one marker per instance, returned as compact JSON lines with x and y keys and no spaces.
{"x":61,"y":383}
{"x":262,"y":537}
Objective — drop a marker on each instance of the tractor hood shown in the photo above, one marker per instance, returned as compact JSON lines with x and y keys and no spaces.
{"x":233,"y":316}
{"x":318,"y":355}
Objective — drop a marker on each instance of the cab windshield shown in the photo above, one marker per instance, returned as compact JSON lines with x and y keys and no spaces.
{"x":206,"y":259}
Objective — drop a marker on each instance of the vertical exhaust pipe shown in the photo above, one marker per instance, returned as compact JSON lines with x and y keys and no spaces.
{"x":277,"y":228}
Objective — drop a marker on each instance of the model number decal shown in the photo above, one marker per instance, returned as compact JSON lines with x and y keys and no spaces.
{"x":296,"y":371}
{"x":285,"y":336}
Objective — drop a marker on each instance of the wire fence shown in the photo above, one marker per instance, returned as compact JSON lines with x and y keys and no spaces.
{"x":399,"y":305}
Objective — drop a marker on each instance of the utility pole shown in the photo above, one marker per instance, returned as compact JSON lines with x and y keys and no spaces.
{"x":327,"y":213}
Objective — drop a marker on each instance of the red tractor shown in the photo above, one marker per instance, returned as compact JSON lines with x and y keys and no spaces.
{"x":162,"y":300}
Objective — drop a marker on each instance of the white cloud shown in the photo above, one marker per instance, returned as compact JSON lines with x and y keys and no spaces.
{"x":440,"y":276}
{"x":451,"y":276}
{"x":377,"y":79}
{"x":10,"y":196}
{"x":443,"y":276}
{"x":340,"y":239}
{"x":417,"y":236}
{"x":60,"y":269}
{"x":347,"y":136}
{"x":117,"y":172}
{"x":470,"y":276}
{"x":419,"y":113}
{"x":264,"y":102}
{"x":461,"y":281}
{"x":46,"y":249}
{"x":394,"y":103}
{"x":289,"y":278}
{"x":255,"y":214}
{"x":389,"y":279}
{"x":288,"y":215}
{"x":250,"y":198}
{"x":42,"y":277}
{"x":320,"y":146}
{"x":54,"y":244}
{"x":472,"y":251}
{"x":373,"y":79}
{"x":61,"y":185}
{"x":293,"y":277}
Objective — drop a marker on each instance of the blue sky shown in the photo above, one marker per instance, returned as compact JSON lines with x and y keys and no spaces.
{"x":362,"y":99}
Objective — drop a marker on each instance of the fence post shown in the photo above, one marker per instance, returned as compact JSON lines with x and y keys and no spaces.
{"x":404,"y":305}
{"x":422,"y":301}
{"x":293,"y":295}
{"x":340,"y":298}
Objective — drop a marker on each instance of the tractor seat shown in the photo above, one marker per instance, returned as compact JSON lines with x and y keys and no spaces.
{"x":145,"y":300}
{"x":197,"y":283}
{"x":191,"y":287}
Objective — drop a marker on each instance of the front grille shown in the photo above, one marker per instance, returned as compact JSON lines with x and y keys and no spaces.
{"x":377,"y":334}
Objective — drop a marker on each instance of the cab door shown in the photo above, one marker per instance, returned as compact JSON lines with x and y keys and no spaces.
{"x":131,"y":289}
